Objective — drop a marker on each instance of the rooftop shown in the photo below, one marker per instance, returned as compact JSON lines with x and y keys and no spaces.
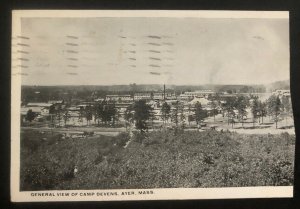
{"x":38,"y":104}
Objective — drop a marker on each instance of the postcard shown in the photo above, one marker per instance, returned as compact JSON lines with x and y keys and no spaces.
{"x":111,"y":105}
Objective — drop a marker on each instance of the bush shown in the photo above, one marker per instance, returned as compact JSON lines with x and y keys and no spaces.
{"x":38,"y":177}
{"x":30,"y":144}
{"x":121,"y":139}
{"x":139,"y":136}
{"x":54,"y":139}
{"x":150,"y":140}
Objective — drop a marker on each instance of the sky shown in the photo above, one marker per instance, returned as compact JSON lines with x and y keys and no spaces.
{"x":149,"y":50}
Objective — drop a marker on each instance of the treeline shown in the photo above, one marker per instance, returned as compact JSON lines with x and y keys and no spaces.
{"x":69,"y":96}
{"x":178,"y":114}
{"x":235,"y":108}
{"x":73,"y":93}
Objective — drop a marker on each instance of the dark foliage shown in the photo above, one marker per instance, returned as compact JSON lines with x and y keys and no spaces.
{"x":157,"y":159}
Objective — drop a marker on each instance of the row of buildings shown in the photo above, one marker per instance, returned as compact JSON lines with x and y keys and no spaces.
{"x":159,"y":96}
{"x":122,"y":101}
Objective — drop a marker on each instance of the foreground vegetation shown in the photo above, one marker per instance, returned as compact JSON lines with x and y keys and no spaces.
{"x":154,"y":160}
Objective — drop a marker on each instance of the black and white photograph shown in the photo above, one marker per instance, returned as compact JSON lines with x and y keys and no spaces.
{"x":145,"y":105}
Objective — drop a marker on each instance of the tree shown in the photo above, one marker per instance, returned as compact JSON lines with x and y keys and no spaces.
{"x":274,"y":106}
{"x":255,"y":109}
{"x":141,"y":115}
{"x":51,"y":114}
{"x":98,"y":110}
{"x":128,"y":115}
{"x":182,"y":117}
{"x":199,"y":113}
{"x":113,"y":113}
{"x":102,"y":111}
{"x":81,"y":116}
{"x":190,"y":117}
{"x":241,"y":105}
{"x":262,"y":108}
{"x":52,"y":109}
{"x":133,"y":89}
{"x":287,"y":107}
{"x":165,"y":112}
{"x":66,"y":117}
{"x":95,"y":113}
{"x":229,"y":107}
{"x":117,"y":115}
{"x":223,"y":108}
{"x":152,"y":116}
{"x":287,"y":104}
{"x":175,"y":114}
{"x":107,"y":112}
{"x":30,"y":115}
{"x":58,"y":111}
{"x":88,"y":114}
{"x":214,"y":105}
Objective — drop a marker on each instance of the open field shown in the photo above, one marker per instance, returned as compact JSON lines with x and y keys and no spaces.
{"x":159,"y":159}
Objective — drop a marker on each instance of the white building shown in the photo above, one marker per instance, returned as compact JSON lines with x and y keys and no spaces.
{"x":37,"y":107}
{"x":142,"y":96}
{"x":56,"y":102}
{"x":39,"y":104}
{"x":124,"y":98}
{"x":160,"y":96}
{"x":202,"y":101}
{"x":196,"y":94}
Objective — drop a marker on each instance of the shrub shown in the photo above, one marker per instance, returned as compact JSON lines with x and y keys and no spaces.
{"x":139,"y":136}
{"x":38,"y":177}
{"x":208,"y":159}
{"x":150,"y":140}
{"x":30,"y":144}
{"x":121,"y":139}
{"x":99,"y":159}
{"x":54,"y":139}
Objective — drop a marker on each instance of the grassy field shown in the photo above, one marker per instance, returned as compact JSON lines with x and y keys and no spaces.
{"x":154,"y":160}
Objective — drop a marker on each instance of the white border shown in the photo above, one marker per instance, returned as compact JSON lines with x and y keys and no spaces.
{"x":152,"y":13}
{"x":159,"y":194}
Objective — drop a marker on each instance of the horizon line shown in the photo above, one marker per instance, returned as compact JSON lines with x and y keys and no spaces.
{"x":235,"y":84}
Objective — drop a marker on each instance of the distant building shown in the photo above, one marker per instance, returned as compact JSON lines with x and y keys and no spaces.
{"x":56,"y":102}
{"x":43,"y":111}
{"x":281,"y":93}
{"x":82,"y":106}
{"x":196,"y":94}
{"x":99,"y":100}
{"x":160,"y":96}
{"x":38,"y":108}
{"x":142,"y":96}
{"x":39,"y":104}
{"x":74,"y":111}
{"x":185,"y":97}
{"x":202,"y":101}
{"x":39,"y":112}
{"x":121,"y":98}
